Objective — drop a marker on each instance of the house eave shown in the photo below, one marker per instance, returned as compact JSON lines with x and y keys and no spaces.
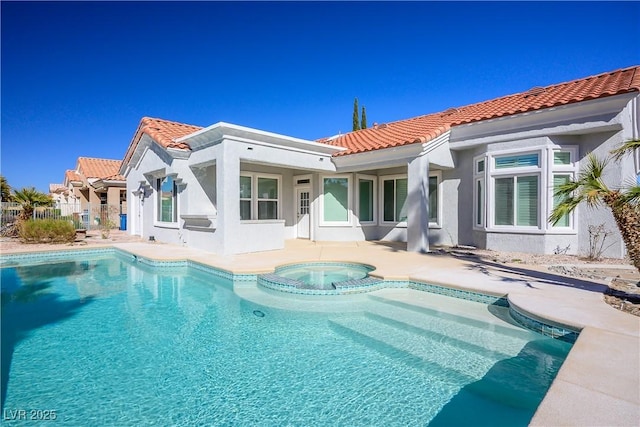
{"x":598,"y":115}
{"x":221,"y":130}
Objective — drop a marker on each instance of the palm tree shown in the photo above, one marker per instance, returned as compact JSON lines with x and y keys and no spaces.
{"x":590,"y":188}
{"x":5,"y":189}
{"x":29,"y":198}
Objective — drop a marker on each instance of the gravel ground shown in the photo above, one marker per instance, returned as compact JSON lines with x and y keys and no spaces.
{"x":623,"y":279}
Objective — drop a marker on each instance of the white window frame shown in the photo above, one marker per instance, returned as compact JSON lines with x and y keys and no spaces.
{"x":438,"y":176}
{"x":374,"y":197}
{"x":553,"y":169}
{"x":381,"y":181}
{"x":176,"y":202}
{"x":255,"y":176}
{"x":481,"y":178}
{"x":514,"y":172}
{"x":545,"y":171}
{"x":348,"y":222}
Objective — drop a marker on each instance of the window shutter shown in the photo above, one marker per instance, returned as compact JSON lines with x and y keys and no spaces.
{"x":516,"y":161}
{"x":389,"y":198}
{"x":504,"y":201}
{"x":527,"y":201}
{"x":365,"y":208}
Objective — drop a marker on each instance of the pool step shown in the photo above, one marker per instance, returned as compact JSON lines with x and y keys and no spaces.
{"x":437,"y":371}
{"x":490,"y":317}
{"x":459,"y":360}
{"x":496,"y":338}
{"x":441,"y":335}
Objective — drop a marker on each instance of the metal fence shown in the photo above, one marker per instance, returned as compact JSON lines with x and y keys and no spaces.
{"x":89,"y":217}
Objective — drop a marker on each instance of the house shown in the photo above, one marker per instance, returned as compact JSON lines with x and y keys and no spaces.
{"x":94,"y":192}
{"x":480,"y":175}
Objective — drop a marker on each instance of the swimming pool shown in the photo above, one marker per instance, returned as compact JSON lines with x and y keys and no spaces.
{"x":105,"y":340}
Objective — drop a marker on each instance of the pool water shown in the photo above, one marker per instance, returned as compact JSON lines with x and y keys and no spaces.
{"x":323,"y":275}
{"x":106,"y":341}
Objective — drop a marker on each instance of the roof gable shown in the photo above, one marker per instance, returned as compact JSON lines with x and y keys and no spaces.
{"x":90,"y":167}
{"x":425,"y":128}
{"x":71,"y":176}
{"x":164,"y":132}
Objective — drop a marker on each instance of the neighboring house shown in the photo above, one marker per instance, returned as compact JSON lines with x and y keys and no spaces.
{"x":63,"y":199}
{"x":94,"y":191}
{"x":480,"y":175}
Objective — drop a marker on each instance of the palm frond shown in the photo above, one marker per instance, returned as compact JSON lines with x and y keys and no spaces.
{"x":632,"y":195}
{"x":626,"y":148}
{"x":564,"y":208}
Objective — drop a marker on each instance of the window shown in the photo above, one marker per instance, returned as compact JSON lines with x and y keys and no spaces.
{"x":366,"y":199}
{"x":561,"y":158}
{"x":394,"y":199}
{"x":479,"y":193}
{"x":479,"y":205}
{"x":516,"y":161}
{"x":167,"y":199}
{"x":562,"y":171}
{"x":245,"y":197}
{"x":259,"y":197}
{"x":558,"y":180}
{"x":433,"y":199}
{"x":335,"y":199}
{"x":267,"y":198}
{"x":516,"y":201}
{"x":516,"y":190}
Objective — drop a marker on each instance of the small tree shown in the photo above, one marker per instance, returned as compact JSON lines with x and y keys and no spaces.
{"x":363,"y":122}
{"x":29,"y":198}
{"x":590,"y":188}
{"x":356,"y":120}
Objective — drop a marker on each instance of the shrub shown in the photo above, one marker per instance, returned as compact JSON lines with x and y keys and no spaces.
{"x":47,"y":231}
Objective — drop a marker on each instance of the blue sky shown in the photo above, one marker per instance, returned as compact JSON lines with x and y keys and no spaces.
{"x":77,"y":77}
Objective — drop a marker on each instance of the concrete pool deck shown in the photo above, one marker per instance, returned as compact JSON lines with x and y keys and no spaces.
{"x":599,"y":383}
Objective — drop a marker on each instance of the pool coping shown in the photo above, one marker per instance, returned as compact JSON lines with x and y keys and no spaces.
{"x":607,"y":350}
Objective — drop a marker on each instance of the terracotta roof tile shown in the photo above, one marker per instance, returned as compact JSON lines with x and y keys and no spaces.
{"x":57,"y":188}
{"x":425,"y":128}
{"x":70,"y":176}
{"x":164,"y":132}
{"x":90,"y":167}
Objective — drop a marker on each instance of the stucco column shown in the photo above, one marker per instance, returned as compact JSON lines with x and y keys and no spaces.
{"x":227,"y":194}
{"x":418,"y":205}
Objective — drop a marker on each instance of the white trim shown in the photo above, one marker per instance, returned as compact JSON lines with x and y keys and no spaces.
{"x":545,"y":171}
{"x":515,"y":228}
{"x":377,"y":159}
{"x":571,"y":169}
{"x":221,"y":130}
{"x":439,"y":196}
{"x":373,"y":178}
{"x":176,"y":201}
{"x":480,"y":177}
{"x":381,"y":180}
{"x":255,"y":176}
{"x":348,"y":222}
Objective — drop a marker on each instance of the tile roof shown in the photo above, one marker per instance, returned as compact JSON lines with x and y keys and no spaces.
{"x":57,"y":188}
{"x":164,"y":132}
{"x":70,"y":176}
{"x":90,"y":167}
{"x":425,"y":128}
